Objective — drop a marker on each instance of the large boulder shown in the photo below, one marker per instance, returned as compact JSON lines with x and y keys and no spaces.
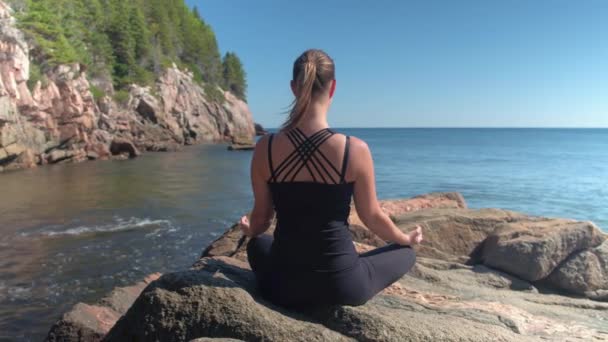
{"x":470,"y":236}
{"x":218,"y":300}
{"x":455,"y":234}
{"x":396,"y":207}
{"x":532,"y":248}
{"x":439,"y":301}
{"x":584,"y":273}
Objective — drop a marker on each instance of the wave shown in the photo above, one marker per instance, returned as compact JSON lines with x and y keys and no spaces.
{"x":119,"y":225}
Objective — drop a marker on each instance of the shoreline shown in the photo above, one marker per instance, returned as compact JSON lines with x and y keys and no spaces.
{"x":125,"y":157}
{"x":224,"y":255}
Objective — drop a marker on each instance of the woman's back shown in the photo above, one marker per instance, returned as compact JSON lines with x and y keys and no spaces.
{"x":311,"y":196}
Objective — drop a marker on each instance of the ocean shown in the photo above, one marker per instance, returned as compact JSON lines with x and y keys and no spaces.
{"x":71,"y":233}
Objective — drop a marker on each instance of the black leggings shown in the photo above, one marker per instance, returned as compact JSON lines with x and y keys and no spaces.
{"x":374,"y":271}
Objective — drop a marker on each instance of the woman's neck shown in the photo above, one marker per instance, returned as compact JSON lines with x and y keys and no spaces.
{"x":315,"y":118}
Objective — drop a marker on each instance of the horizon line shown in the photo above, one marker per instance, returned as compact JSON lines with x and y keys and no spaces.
{"x":461,"y":127}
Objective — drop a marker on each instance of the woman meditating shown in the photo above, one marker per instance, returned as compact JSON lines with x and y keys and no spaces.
{"x":308,"y":173}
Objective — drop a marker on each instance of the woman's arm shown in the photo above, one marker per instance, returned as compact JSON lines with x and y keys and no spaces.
{"x":263,"y":212}
{"x":366,"y":201}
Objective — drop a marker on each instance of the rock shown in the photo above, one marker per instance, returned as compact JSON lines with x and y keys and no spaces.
{"x":228,"y":244}
{"x":259,"y":129}
{"x":92,"y":155}
{"x":455,"y":234}
{"x":395,"y":207}
{"x":83,"y":323}
{"x":583,"y":273}
{"x":26,"y":160}
{"x":531,"y":249}
{"x":146,"y":105}
{"x":193,"y":117}
{"x":215,"y":301}
{"x":124,"y":146}
{"x":57,"y":156}
{"x":218,"y":299}
{"x":212,"y":339}
{"x":242,"y":143}
{"x":100,"y":149}
{"x":91,"y":323}
{"x":14,"y":149}
{"x":239,"y":147}
{"x":163,"y":147}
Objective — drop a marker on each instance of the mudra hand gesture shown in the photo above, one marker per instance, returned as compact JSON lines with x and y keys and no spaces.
{"x":416,"y":236}
{"x":244,"y":224}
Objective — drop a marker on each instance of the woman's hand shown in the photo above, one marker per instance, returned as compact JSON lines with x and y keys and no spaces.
{"x":244,"y":224}
{"x":416,"y":236}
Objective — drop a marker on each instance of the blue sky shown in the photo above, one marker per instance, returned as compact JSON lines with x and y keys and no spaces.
{"x":513,"y":63}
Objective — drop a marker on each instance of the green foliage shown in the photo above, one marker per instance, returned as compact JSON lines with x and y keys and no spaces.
{"x":214,"y":93}
{"x":97,"y":92}
{"x":234,"y":75}
{"x":132,"y":40}
{"x":35,"y":76}
{"x":121,"y":96}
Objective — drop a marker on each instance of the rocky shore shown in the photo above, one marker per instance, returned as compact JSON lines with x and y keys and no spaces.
{"x":67,"y":116}
{"x":481,"y":275}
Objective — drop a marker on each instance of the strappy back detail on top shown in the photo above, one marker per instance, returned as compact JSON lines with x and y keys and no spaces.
{"x":306,"y":154}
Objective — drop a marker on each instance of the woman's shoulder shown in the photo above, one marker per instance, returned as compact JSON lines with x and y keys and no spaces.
{"x":261,"y":146}
{"x":357,"y":144}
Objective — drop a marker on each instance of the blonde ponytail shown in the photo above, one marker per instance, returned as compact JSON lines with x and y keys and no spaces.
{"x":312,"y":72}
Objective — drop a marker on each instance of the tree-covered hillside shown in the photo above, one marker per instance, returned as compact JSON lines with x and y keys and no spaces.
{"x":129,"y":40}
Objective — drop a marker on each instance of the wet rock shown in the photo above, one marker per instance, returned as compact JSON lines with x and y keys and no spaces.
{"x":239,"y":147}
{"x":124,"y":146}
{"x":92,"y":155}
{"x":90,"y":323}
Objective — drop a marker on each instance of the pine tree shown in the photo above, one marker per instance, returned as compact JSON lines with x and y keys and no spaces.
{"x":130,"y":40}
{"x":234,"y":75}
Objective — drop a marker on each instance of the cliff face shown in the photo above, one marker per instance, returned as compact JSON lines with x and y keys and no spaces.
{"x":59,"y":120}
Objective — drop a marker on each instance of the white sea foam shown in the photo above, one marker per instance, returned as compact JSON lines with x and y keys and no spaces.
{"x":118,"y":225}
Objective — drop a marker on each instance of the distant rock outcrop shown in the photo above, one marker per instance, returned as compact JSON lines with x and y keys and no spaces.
{"x":450,"y":295}
{"x":57,"y":119}
{"x":260,"y":130}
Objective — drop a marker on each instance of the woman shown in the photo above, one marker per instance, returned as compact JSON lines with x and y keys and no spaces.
{"x":307,"y":173}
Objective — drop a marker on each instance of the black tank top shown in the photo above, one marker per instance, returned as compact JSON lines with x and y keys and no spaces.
{"x":312,"y":216}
